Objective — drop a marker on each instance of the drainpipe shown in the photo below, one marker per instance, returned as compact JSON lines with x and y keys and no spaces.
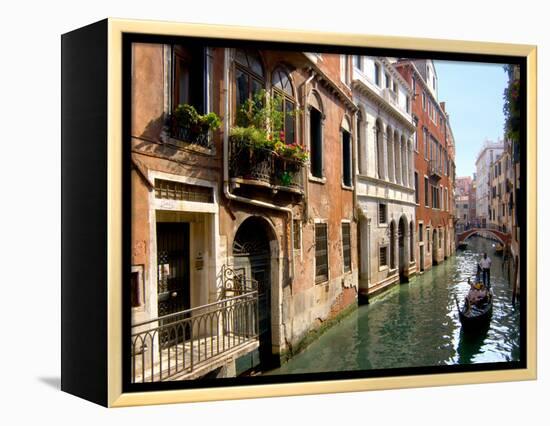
{"x":304,"y":130}
{"x":226,"y":189}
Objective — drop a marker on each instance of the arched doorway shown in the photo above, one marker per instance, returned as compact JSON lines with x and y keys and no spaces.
{"x":252,"y":260}
{"x":435,"y":246}
{"x":411,"y":241}
{"x":392,"y":245}
{"x":402,"y":232}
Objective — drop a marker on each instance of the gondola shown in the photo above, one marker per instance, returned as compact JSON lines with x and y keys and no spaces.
{"x":475,"y":317}
{"x":462,"y":246}
{"x":499,"y":249}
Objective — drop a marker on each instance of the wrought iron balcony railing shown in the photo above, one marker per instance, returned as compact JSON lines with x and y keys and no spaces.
{"x":265,"y":167}
{"x":187,"y":135}
{"x":435,"y":170}
{"x":179,"y":344}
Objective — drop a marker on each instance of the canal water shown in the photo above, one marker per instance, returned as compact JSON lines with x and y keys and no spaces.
{"x":416,"y":324}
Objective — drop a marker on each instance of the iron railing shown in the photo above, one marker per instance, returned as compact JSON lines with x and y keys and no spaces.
{"x":191,"y":136}
{"x":265,"y":166}
{"x":435,"y":170}
{"x":179,"y":343}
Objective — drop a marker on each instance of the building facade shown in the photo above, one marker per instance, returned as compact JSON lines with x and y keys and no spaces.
{"x":463,"y":202}
{"x":489,"y":152}
{"x":434,"y":169}
{"x":232,"y":223}
{"x":384,"y":175}
{"x":500,"y":213}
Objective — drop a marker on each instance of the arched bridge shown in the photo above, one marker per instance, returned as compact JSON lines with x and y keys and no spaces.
{"x":503,"y":237}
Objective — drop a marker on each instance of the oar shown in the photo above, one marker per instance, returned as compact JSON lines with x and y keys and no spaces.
{"x":457,"y":304}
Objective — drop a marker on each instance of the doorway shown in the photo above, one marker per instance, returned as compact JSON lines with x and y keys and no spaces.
{"x":252,"y":260}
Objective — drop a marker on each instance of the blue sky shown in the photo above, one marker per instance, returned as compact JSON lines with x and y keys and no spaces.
{"x":472,"y":93}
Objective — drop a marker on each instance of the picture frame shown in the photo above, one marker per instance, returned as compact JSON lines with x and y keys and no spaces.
{"x":96,"y":207}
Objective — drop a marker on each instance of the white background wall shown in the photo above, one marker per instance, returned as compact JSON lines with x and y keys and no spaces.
{"x":30,"y":211}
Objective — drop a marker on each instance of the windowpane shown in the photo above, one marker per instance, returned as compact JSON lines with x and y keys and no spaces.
{"x":316,"y":149}
{"x":321,"y":252}
{"x":346,"y":158}
{"x":242,"y":88}
{"x":346,"y":246}
{"x":290,"y":132}
{"x":383,"y":257}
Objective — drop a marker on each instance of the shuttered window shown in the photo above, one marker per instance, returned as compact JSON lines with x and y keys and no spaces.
{"x":321,"y":252}
{"x":382,"y":213}
{"x":346,"y":246}
{"x":383,"y":257}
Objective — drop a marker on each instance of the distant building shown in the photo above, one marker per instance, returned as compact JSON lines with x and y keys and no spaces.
{"x":489,"y":152}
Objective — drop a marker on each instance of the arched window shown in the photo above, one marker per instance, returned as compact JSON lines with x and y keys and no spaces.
{"x":392,"y":245}
{"x":249,"y":76}
{"x":315,"y":109}
{"x":389,"y":148}
{"x":283,"y":90}
{"x":379,"y":149}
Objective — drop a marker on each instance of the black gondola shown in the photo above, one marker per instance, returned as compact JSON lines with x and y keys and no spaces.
{"x":475,"y":316}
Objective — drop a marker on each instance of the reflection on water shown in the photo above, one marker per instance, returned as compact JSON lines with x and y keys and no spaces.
{"x":417,"y":325}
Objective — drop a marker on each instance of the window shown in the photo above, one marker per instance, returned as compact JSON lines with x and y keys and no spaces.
{"x":249,"y":77}
{"x":382,"y":213}
{"x":135,"y":295}
{"x":395,"y":87}
{"x":358,"y":62}
{"x":426,"y":142}
{"x":379,"y":150}
{"x":416,"y":134}
{"x":189,"y":77}
{"x":346,"y":158}
{"x":420,"y":232}
{"x":414,"y":86}
{"x":383,"y":256}
{"x":346,"y":246}
{"x":377,"y":74}
{"x":297,"y":236}
{"x":283,"y":90}
{"x":321,"y":253}
{"x":408,"y":104}
{"x":426,"y":189}
{"x":424,"y":101}
{"x":171,"y":190}
{"x":416,"y":193}
{"x":388,"y":81}
{"x":316,"y":143}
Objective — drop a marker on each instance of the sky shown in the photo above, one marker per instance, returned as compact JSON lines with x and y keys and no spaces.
{"x":472,"y":93}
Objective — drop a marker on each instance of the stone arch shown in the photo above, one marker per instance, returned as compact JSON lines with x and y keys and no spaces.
{"x":403,"y":247}
{"x":392,"y":231}
{"x":411,"y":241}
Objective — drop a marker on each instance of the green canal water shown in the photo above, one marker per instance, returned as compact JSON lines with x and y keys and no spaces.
{"x":416,"y":324}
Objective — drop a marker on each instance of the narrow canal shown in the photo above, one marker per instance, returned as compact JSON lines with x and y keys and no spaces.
{"x":416,"y":324}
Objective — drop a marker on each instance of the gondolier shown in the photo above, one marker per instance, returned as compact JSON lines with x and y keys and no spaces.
{"x":485,"y":265}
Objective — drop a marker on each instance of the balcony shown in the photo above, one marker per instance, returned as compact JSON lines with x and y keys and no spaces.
{"x":193,"y":342}
{"x":265,"y":168}
{"x":435,"y":171}
{"x":390,"y":96}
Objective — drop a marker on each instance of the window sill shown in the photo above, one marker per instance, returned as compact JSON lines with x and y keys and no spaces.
{"x":187,"y":146}
{"x":347,"y":188}
{"x":321,"y":282}
{"x":316,"y":179}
